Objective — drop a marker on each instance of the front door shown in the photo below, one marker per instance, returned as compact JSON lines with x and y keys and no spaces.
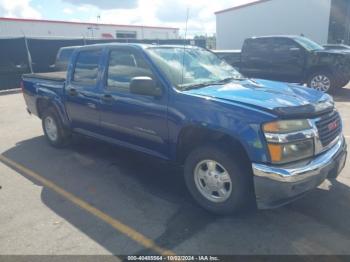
{"x":255,"y":58}
{"x":287,"y":60}
{"x":136,"y":121}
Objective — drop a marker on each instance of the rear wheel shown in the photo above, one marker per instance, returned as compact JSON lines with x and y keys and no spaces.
{"x":53,"y":128}
{"x":218,"y":180}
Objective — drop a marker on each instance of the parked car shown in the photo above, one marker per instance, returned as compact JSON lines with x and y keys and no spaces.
{"x":337,"y":47}
{"x":238,"y":139}
{"x":294,"y":59}
{"x":63,"y":56}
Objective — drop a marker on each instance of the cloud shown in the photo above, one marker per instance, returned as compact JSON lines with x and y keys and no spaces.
{"x":201,"y":14}
{"x":106,"y":4}
{"x":169,"y":13}
{"x":176,"y":11}
{"x":83,"y":8}
{"x":67,"y":11}
{"x":18,"y":8}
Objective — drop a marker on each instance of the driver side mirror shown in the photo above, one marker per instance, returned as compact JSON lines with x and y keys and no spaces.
{"x":144,"y":85}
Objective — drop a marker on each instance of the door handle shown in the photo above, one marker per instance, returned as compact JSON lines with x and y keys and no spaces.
{"x":91,"y":105}
{"x":107,"y":98}
{"x":72,"y":92}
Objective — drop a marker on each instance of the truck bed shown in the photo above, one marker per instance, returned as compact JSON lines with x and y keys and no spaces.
{"x":49,"y":85}
{"x":52,"y":76}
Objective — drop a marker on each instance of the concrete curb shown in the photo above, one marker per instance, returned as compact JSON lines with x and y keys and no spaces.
{"x":10,"y":91}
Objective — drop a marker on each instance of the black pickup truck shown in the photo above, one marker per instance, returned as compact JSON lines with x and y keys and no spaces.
{"x":294,"y":59}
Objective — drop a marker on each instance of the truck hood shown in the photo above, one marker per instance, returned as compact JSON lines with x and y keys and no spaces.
{"x":276,"y":97}
{"x":333,"y":52}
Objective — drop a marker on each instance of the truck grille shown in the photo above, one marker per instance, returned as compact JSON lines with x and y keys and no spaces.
{"x":329,"y":127}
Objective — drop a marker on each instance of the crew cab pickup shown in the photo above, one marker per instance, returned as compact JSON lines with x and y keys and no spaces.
{"x":238,"y":139}
{"x":292,"y":59}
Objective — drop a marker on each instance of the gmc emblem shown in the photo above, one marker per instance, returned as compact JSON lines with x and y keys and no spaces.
{"x":332,"y":126}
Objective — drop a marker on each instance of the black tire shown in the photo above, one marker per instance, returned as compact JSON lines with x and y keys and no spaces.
{"x":63,"y":135}
{"x":326,"y":74}
{"x":238,"y":169}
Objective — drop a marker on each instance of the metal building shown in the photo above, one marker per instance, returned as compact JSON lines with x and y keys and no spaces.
{"x":320,"y":20}
{"x":13,"y":27}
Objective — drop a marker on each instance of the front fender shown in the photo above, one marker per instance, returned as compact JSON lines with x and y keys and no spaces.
{"x":248,"y":135}
{"x":241,"y":123}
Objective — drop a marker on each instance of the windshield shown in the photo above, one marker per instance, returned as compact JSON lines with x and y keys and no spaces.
{"x":308,"y":44}
{"x":189,"y":67}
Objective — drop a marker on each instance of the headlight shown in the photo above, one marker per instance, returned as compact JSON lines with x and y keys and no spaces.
{"x":287,"y":126}
{"x":284,"y":146}
{"x":285,"y":153}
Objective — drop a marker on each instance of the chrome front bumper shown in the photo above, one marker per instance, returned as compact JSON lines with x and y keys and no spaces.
{"x":278,"y":185}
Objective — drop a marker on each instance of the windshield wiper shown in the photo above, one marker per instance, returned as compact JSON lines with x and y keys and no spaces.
{"x":230,"y":79}
{"x":200,"y":85}
{"x":211,"y":83}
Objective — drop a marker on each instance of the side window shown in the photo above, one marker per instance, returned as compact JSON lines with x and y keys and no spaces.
{"x":283,"y":46}
{"x":123,"y":66}
{"x":257,"y":47}
{"x":86,"y":67}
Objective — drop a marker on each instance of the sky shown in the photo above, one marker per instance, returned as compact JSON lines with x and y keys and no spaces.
{"x":170,"y":13}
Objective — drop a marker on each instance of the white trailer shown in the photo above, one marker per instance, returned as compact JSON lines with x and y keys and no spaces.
{"x":13,"y":27}
{"x":310,"y":18}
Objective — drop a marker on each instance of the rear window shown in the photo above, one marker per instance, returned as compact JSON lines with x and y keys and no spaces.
{"x":257,"y":47}
{"x":65,"y":55}
{"x":86,"y":67}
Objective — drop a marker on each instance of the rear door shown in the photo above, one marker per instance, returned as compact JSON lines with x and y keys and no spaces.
{"x":255,"y":58}
{"x":132,"y":120}
{"x":81,"y":92}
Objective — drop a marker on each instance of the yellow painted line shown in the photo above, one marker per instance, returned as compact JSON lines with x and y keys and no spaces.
{"x":116,"y":224}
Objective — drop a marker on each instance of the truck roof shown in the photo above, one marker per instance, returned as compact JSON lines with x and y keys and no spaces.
{"x":226,"y":51}
{"x":276,"y":36}
{"x":142,"y":46}
{"x":70,"y":47}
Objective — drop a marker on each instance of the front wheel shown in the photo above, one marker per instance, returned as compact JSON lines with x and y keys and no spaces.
{"x":218,"y":180}
{"x":322,"y":81}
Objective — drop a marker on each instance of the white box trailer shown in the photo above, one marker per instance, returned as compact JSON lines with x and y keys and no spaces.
{"x":273,"y":17}
{"x":13,"y":27}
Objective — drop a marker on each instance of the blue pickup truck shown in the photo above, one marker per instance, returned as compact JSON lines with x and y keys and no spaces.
{"x":238,"y":139}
